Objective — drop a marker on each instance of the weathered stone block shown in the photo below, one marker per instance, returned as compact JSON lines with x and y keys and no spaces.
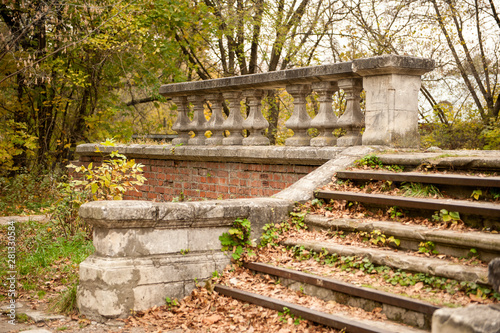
{"x":471,"y":319}
{"x":110,"y":287}
{"x":494,"y":274}
{"x":391,"y":116}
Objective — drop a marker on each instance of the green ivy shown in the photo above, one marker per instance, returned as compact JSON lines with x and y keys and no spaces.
{"x":237,"y":239}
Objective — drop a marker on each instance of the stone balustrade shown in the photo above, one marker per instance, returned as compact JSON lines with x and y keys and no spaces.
{"x":391,"y":84}
{"x":146,"y":251}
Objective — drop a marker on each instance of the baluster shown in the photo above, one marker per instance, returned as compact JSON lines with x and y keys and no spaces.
{"x":199,"y":120}
{"x":181,"y":125}
{"x":215,"y":123}
{"x":300,"y":121}
{"x":233,"y":123}
{"x":326,"y":120}
{"x":352,"y":119}
{"x":255,"y":122}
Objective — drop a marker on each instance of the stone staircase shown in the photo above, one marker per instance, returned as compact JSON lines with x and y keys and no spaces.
{"x":455,"y":255}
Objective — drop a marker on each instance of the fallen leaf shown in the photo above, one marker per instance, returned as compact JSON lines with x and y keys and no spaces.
{"x":418,"y":286}
{"x":212,"y":319}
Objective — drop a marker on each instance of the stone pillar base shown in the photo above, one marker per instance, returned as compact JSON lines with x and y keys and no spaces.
{"x":324,"y":141}
{"x":350,"y":139}
{"x":113,"y":287}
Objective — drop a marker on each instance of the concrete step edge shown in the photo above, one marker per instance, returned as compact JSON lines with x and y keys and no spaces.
{"x":431,"y":266}
{"x":462,"y":206}
{"x":478,"y":240}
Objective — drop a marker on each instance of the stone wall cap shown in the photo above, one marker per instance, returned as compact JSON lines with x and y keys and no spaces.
{"x":246,"y":154}
{"x":120,"y":214}
{"x":392,"y":64}
{"x":386,"y":64}
{"x":277,"y":79}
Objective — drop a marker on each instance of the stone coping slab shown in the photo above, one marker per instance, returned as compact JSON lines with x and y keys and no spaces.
{"x":124,"y":214}
{"x":470,"y":319}
{"x":447,"y":159}
{"x":431,"y":266}
{"x":248,"y":154}
{"x":479,"y":240}
{"x":210,"y":214}
{"x":387,"y":64}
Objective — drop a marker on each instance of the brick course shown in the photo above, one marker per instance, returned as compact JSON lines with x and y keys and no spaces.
{"x":197,"y":180}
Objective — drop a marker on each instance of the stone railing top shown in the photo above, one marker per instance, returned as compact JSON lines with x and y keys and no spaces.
{"x":245,"y":154}
{"x":145,"y":215}
{"x":358,"y":68}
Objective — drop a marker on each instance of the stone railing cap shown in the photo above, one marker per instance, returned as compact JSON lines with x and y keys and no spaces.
{"x":386,"y":64}
{"x":392,"y":64}
{"x":277,"y":79}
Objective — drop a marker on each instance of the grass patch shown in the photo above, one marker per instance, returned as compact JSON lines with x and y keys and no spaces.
{"x":66,"y":302}
{"x":420,"y":190}
{"x":27,"y":194}
{"x":43,"y":256}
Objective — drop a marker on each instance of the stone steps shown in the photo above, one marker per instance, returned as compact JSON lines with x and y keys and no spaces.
{"x":398,"y":260}
{"x":341,"y":321}
{"x":452,"y":243}
{"x":485,"y":209}
{"x":417,"y":177}
{"x":397,"y":308}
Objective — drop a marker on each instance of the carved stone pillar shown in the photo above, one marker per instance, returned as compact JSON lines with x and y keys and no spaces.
{"x":300,"y":121}
{"x":352,"y":119}
{"x":233,"y":123}
{"x":199,"y":120}
{"x":326,"y":120}
{"x":181,"y":125}
{"x":255,"y":122}
{"x":215,"y":123}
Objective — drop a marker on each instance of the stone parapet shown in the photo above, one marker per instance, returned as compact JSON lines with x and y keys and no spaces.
{"x":246,"y":154}
{"x":391,"y":84}
{"x":147,"y":251}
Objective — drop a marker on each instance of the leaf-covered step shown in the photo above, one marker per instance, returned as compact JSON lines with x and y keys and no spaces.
{"x":467,"y":207}
{"x":431,"y":266}
{"x":486,"y":246}
{"x":398,"y":308}
{"x":341,"y":322}
{"x":416,"y":177}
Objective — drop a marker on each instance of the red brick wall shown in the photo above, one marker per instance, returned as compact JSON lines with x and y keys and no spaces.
{"x":196,"y":180}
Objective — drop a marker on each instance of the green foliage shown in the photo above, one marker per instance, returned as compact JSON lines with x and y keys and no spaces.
{"x":395,"y":277}
{"x":378,"y":238}
{"x":283,"y":316}
{"x":420,"y":190}
{"x":77,"y":75}
{"x":427,"y":247}
{"x":27,"y":193}
{"x":171,"y":303}
{"x":273,"y":231}
{"x":237,"y":239}
{"x":395,"y":212}
{"x":111,"y":179}
{"x":445,"y":216}
{"x":461,"y":134}
{"x":373,"y":162}
{"x":64,"y":213}
{"x":15,"y":142}
{"x":45,"y":257}
{"x":476,"y":194}
{"x":491,"y":135}
{"x":66,"y":302}
{"x":370,"y":161}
